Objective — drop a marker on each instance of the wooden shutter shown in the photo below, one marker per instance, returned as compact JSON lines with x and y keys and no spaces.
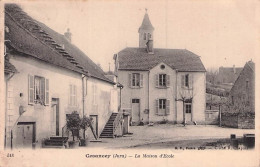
{"x":190,"y":80}
{"x":167,"y":107}
{"x":30,"y":89}
{"x":168,"y":82}
{"x":42,"y":90}
{"x":70,"y":95}
{"x":141,"y":80}
{"x":75,"y":95}
{"x":157,"y":80}
{"x":156,"y":106}
{"x":182,"y":80}
{"x":130,"y":80}
{"x":47,"y":94}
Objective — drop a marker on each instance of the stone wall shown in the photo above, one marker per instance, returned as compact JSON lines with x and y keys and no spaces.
{"x":241,"y":121}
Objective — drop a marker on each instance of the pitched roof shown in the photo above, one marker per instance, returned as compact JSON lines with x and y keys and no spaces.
{"x":146,"y":24}
{"x":9,"y":68}
{"x":139,"y":59}
{"x":33,"y":38}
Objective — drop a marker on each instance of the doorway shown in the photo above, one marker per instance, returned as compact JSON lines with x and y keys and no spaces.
{"x":136,"y":111}
{"x":55,"y":123}
{"x":188,"y":112}
{"x":25,"y":135}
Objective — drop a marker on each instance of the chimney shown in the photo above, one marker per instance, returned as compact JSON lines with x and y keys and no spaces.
{"x":149,"y":46}
{"x":234,"y":69}
{"x":68,"y":35}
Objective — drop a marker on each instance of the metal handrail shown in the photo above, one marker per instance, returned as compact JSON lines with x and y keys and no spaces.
{"x":117,"y":120}
{"x":65,"y":131}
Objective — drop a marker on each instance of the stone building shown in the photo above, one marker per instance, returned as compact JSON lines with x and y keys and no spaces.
{"x":240,"y":111}
{"x":161,"y":85}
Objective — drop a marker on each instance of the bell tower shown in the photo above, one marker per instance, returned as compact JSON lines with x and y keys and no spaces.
{"x":145,"y":31}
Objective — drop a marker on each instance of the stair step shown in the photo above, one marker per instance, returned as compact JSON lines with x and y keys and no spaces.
{"x":106,"y":136}
{"x":107,"y":133}
{"x":60,"y":138}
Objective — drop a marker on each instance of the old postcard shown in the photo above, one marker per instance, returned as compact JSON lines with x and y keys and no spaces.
{"x":133,"y":83}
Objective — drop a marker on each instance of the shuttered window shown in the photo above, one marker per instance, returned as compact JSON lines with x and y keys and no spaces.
{"x":135,"y":80}
{"x":38,"y":90}
{"x":162,"y":80}
{"x":73,"y":95}
{"x":162,"y":107}
{"x":187,"y":80}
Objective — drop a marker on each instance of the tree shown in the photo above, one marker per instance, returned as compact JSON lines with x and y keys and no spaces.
{"x":84,"y":124}
{"x":185,"y":95}
{"x":73,"y":123}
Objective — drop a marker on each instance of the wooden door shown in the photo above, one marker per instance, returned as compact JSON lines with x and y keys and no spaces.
{"x":188,"y":112}
{"x":25,"y":135}
{"x":136,"y":111}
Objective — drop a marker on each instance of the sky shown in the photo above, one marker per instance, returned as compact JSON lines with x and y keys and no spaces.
{"x":222,"y":33}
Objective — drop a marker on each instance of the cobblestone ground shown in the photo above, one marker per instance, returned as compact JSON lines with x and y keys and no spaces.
{"x":166,"y":133}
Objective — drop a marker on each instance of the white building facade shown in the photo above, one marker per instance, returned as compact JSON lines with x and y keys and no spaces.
{"x":161,"y":85}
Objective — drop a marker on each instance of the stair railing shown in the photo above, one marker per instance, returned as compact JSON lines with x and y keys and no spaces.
{"x":117,"y":120}
{"x":65,"y":131}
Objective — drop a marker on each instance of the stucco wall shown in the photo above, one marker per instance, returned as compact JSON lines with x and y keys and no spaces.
{"x":134,"y":93}
{"x":162,"y":93}
{"x":176,"y":108}
{"x":105,"y":102}
{"x":59,"y":81}
{"x":199,"y":97}
{"x":59,"y":87}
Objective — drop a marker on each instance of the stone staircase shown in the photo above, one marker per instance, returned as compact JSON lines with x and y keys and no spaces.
{"x":108,"y":130}
{"x":55,"y":142}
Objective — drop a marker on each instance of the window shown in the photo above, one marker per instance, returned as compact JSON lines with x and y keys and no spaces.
{"x":162,"y":103}
{"x":247,"y":84}
{"x":162,"y":80}
{"x":186,"y":81}
{"x":232,"y":100}
{"x":135,"y":100}
{"x":136,"y":80}
{"x":73,"y":95}
{"x":188,"y":108}
{"x":162,"y":107}
{"x":144,"y":36}
{"x":162,"y":67}
{"x":149,"y":36}
{"x":38,"y":92}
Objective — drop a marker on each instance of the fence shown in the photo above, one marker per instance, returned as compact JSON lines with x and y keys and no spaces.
{"x":212,"y":117}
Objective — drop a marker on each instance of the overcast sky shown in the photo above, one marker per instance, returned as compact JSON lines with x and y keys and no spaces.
{"x":223,"y":33}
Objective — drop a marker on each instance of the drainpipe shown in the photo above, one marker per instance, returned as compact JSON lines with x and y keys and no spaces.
{"x":83,"y":92}
{"x":176,"y":84}
{"x":83,"y":97}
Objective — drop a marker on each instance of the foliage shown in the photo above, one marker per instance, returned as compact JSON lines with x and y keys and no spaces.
{"x":73,"y":123}
{"x":85,"y":122}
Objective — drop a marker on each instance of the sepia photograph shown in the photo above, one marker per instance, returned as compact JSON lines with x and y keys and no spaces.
{"x":135,"y":77}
